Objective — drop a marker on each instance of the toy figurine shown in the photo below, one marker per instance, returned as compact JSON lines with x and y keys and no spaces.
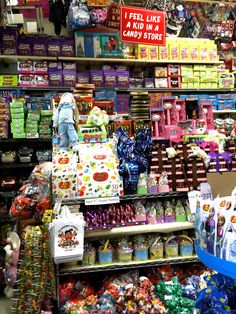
{"x":65,"y":119}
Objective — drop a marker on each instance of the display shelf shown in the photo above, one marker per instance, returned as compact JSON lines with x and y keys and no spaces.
{"x":37,"y":88}
{"x":68,"y":270}
{"x":173,"y":90}
{"x":14,"y":58}
{"x":223,"y":111}
{"x":221,"y":266}
{"x":131,"y":197}
{"x":27,"y":140}
{"x":18,"y":165}
{"x":8,"y":193}
{"x":132,"y":61}
{"x":139,"y":229}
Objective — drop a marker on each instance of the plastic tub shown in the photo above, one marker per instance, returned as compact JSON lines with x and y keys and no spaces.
{"x":105,"y":257}
{"x":125,"y":256}
{"x":171,"y":250}
{"x":186,"y":249}
{"x":156,"y":252}
{"x":141,"y":254}
{"x":89,"y":258}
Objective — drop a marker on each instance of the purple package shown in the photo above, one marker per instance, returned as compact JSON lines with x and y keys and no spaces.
{"x":69,"y":74}
{"x":149,"y":82}
{"x":24,"y":46}
{"x":39,"y":46}
{"x":97,"y":78}
{"x":106,"y":67}
{"x":55,"y":74}
{"x":83,"y":77}
{"x":122,"y":79}
{"x":123,"y":103}
{"x":110,"y":78}
{"x":9,"y":41}
{"x":67,"y":47}
{"x":54,"y":47}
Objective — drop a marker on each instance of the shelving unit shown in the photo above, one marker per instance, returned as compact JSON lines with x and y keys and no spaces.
{"x":223,"y":111}
{"x":139,"y":229}
{"x":18,"y":165}
{"x":68,"y":270}
{"x":131,"y":197}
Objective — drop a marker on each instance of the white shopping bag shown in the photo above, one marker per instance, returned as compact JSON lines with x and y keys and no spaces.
{"x":67,"y":236}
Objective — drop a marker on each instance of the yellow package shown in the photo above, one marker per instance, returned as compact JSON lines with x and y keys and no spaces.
{"x":194,"y":53}
{"x":212,"y":52}
{"x":184,"y":85}
{"x":163,"y":53}
{"x":142,"y":52}
{"x":184,"y":51}
{"x":153,"y":52}
{"x":214,"y":85}
{"x":196,"y":85}
{"x":174,"y":50}
{"x":190,"y":85}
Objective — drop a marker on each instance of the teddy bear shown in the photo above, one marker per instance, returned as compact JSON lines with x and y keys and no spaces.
{"x":12,"y":250}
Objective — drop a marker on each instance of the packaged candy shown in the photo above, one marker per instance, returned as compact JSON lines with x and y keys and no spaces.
{"x":185,"y":245}
{"x":140,"y":248}
{"x":180,"y":212}
{"x":140,"y":211}
{"x":163,"y":182}
{"x":160,"y":213}
{"x":142,"y":184}
{"x":89,"y":257}
{"x":171,"y":247}
{"x":151,"y":213}
{"x":124,"y":251}
{"x":169,"y":212}
{"x":152,"y":183}
{"x":105,"y":253}
{"x":156,"y":249}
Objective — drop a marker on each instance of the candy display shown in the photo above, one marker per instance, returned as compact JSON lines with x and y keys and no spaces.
{"x":155,"y":290}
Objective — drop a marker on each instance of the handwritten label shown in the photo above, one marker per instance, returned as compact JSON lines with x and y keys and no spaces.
{"x":102,"y":200}
{"x":141,"y":26}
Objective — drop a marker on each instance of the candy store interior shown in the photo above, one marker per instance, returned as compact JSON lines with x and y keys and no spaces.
{"x":117,"y":157}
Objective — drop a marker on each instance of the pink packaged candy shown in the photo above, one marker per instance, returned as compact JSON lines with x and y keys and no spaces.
{"x":25,"y":67}
{"x":40,"y":67}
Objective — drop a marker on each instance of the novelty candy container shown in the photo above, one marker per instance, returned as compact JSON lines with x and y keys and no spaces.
{"x":171,"y":247}
{"x":124,"y":251}
{"x":185,"y":246}
{"x":105,"y":253}
{"x":156,"y":249}
{"x":140,"y":248}
{"x":89,"y":257}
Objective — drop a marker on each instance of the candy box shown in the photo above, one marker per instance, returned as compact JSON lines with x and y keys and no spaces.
{"x":64,"y":183}
{"x":67,"y":47}
{"x":54,"y":47}
{"x":8,"y":41}
{"x":64,"y":159}
{"x":122,"y":79}
{"x":153,"y":52}
{"x":161,"y":71}
{"x":174,"y":70}
{"x":161,"y":82}
{"x":24,"y":46}
{"x":97,"y":78}
{"x":26,"y":80}
{"x":110,"y":78}
{"x":174,"y":82}
{"x":41,"y":80}
{"x":83,"y":77}
{"x":25,"y":67}
{"x":40,"y":67}
{"x":39,"y":46}
{"x":163,"y":53}
{"x":142,"y":52}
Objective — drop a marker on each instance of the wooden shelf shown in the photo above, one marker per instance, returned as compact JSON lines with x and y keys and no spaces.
{"x":16,"y":58}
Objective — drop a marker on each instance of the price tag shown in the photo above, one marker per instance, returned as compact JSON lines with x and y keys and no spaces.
{"x":102,"y":200}
{"x":168,"y":297}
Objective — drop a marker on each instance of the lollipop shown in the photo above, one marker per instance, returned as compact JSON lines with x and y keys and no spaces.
{"x":156,"y":118}
{"x":168,"y":106}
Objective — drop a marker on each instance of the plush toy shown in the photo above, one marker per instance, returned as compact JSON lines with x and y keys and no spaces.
{"x":12,"y":256}
{"x":65,"y":118}
{"x":98,"y":117}
{"x":198,"y":152}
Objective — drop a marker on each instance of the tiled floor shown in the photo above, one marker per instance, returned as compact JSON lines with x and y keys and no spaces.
{"x":5,"y":305}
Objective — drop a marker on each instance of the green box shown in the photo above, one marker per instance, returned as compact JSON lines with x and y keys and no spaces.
{"x":16,"y":116}
{"x":17,"y":110}
{"x":18,"y":135}
{"x":46,"y":113}
{"x":16,"y":104}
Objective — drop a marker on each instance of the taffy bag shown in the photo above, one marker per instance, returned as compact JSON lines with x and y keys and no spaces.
{"x":67,"y":236}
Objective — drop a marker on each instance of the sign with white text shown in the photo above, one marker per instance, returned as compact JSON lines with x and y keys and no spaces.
{"x":102,"y":200}
{"x":141,"y":26}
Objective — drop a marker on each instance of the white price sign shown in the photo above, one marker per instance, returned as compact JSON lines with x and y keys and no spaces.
{"x":102,"y":200}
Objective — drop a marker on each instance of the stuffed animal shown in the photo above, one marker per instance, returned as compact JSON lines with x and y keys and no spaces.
{"x":198,"y":152}
{"x":98,"y":117}
{"x":11,"y":260}
{"x":65,"y":118}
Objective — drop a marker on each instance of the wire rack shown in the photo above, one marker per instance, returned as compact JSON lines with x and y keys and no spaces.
{"x":64,"y":271}
{"x":130,"y":197}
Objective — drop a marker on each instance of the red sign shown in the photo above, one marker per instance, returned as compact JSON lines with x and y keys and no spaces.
{"x":113,"y":16}
{"x":141,"y":26}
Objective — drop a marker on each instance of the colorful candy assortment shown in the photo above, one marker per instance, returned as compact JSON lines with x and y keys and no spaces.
{"x":138,"y":248}
{"x":132,"y":213}
{"x":157,"y":290}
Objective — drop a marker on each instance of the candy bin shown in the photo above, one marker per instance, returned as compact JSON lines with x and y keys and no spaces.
{"x":89,"y":257}
{"x":124,"y":251}
{"x":105,"y":253}
{"x":171,"y":247}
{"x":142,"y":184}
{"x":140,"y":248}
{"x":185,"y":246}
{"x":156,"y":249}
